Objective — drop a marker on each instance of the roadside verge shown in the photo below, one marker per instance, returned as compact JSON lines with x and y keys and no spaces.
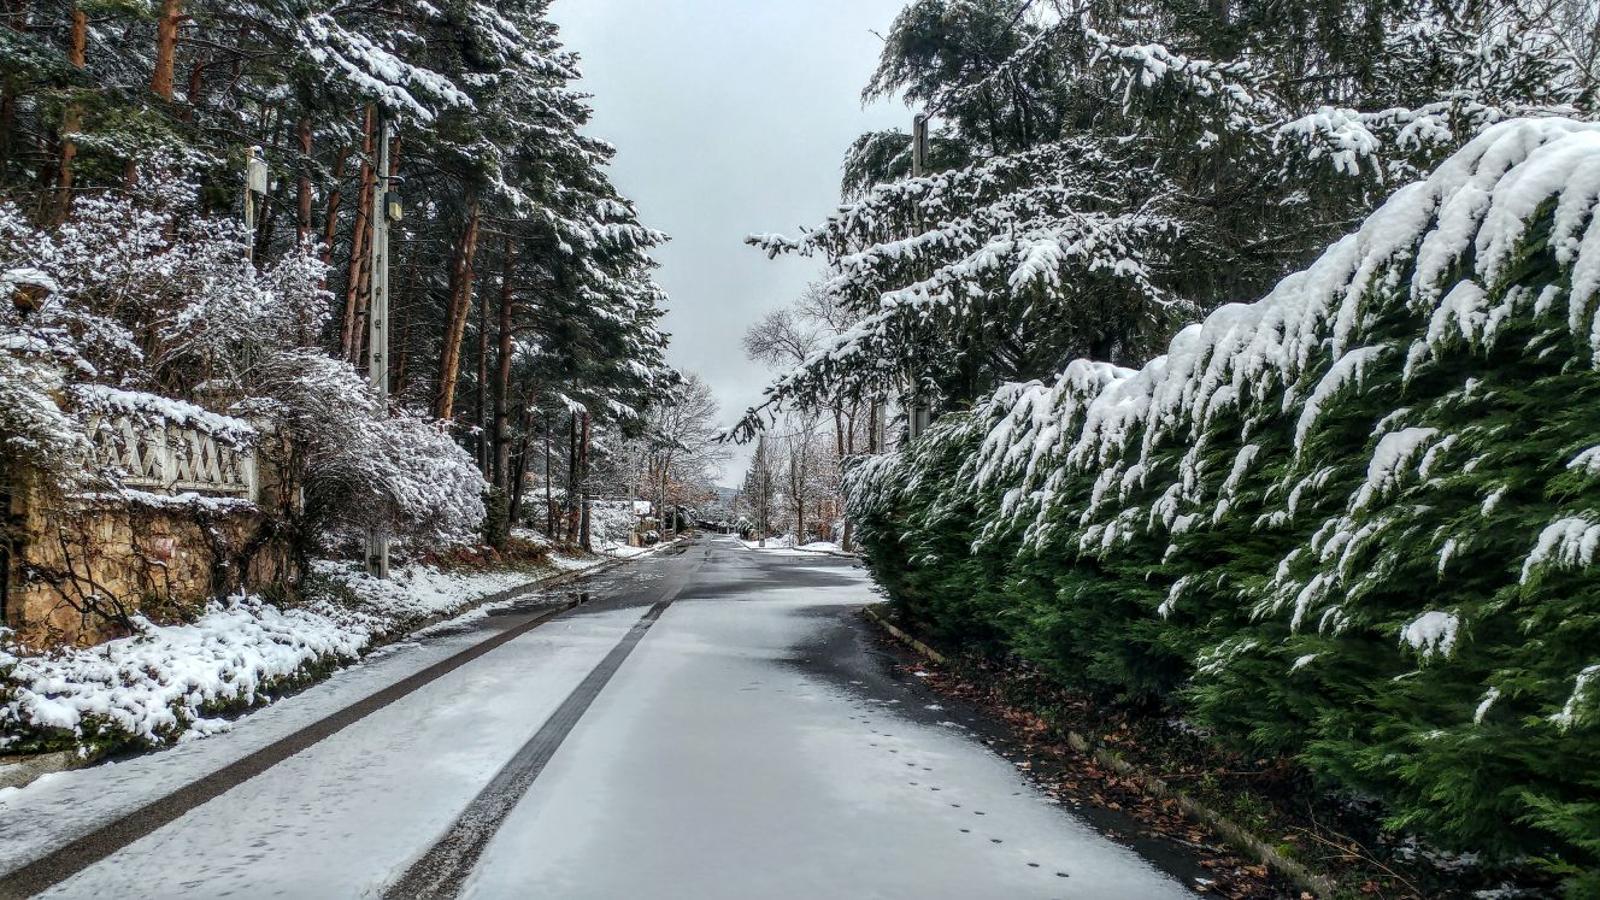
{"x":70,"y":710}
{"x":1241,"y":838}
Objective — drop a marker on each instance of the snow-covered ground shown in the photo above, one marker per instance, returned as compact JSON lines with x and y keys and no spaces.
{"x":166,"y":682}
{"x":714,"y":764}
{"x":786,"y":543}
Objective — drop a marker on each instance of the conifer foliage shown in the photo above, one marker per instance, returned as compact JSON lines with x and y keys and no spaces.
{"x":521,"y":295}
{"x":1357,"y":520}
{"x":1099,"y":173}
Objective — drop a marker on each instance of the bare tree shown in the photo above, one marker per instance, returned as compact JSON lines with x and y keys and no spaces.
{"x":785,"y":338}
{"x":684,"y":454}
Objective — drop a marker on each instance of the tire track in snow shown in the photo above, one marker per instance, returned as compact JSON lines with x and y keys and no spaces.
{"x":442,"y":870}
{"x":44,"y":873}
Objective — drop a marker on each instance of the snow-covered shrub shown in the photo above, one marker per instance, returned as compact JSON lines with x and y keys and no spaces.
{"x":1357,"y":520}
{"x":32,"y":426}
{"x":141,"y":305}
{"x":170,"y":682}
{"x":360,"y":469}
{"x":612,"y":521}
{"x":135,"y":302}
{"x":144,"y":293}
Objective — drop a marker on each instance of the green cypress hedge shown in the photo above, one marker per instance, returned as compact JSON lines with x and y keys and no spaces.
{"x":1357,"y":521}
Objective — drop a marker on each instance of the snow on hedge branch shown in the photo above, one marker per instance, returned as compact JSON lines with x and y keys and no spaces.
{"x":1396,"y":441}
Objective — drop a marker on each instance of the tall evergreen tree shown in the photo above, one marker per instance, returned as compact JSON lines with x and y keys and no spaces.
{"x":1104,"y":172}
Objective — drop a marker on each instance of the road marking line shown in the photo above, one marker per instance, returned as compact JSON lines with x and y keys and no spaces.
{"x":442,"y":870}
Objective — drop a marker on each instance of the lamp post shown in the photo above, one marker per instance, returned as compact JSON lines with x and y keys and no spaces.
{"x":919,"y":414}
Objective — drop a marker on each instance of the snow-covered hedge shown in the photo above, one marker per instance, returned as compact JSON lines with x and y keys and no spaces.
{"x":1357,"y":520}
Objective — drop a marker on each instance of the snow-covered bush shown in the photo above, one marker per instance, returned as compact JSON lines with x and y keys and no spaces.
{"x":1357,"y":520}
{"x":143,"y":293}
{"x":612,"y":521}
{"x":139,"y":305}
{"x":170,"y":682}
{"x":362,"y":469}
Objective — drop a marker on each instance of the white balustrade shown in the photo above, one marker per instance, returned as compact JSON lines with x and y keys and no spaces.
{"x":170,"y":459}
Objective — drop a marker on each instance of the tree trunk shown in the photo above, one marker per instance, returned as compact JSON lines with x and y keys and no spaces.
{"x":358,"y":241}
{"x":330,"y":223}
{"x":585,"y":539}
{"x":549,"y":495}
{"x":460,"y":307}
{"x":480,"y":412}
{"x":166,"y":47}
{"x":192,"y":92}
{"x":519,"y":471}
{"x":71,"y":119}
{"x":501,"y":438}
{"x":302,"y":229}
{"x":400,"y":351}
{"x":797,"y":475}
{"x":17,"y":17}
{"x":572,"y":480}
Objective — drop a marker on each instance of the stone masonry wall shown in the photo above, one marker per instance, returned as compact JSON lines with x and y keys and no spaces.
{"x":81,"y":571}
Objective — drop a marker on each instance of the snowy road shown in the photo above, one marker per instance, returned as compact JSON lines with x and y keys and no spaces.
{"x":711,"y":724}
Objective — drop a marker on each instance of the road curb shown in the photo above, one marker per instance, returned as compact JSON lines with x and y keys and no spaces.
{"x":1235,"y":834}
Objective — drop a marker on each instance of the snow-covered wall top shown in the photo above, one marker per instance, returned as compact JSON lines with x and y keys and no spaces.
{"x":155,"y":408}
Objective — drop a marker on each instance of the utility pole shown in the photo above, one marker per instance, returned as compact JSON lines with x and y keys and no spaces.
{"x":255,"y":182}
{"x":919,"y":416}
{"x":384,"y":207}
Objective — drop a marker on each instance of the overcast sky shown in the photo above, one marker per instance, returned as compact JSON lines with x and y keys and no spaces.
{"x":730,"y":117}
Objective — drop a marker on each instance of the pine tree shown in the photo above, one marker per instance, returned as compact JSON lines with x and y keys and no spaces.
{"x":1095,"y":186}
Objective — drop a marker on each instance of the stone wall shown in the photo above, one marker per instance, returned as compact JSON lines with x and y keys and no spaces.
{"x":79,"y":571}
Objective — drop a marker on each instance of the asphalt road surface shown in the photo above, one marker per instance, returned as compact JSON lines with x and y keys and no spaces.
{"x":712,"y":722}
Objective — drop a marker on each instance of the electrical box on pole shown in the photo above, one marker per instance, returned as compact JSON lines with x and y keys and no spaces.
{"x":388,"y":208}
{"x":255,"y":182}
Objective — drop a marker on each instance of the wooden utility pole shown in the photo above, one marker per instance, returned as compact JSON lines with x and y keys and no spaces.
{"x":918,"y":416}
{"x":383,"y":207}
